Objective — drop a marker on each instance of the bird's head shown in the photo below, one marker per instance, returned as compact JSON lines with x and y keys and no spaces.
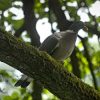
{"x":76,"y":26}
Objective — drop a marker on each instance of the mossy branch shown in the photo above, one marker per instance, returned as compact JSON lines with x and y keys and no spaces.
{"x":39,"y":65}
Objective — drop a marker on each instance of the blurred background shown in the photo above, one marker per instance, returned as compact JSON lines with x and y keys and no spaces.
{"x":32,"y":21}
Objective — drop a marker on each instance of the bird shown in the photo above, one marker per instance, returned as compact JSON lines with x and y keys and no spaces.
{"x":59,"y":45}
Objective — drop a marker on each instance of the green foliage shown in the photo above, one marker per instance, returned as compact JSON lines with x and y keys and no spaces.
{"x":50,"y":96}
{"x":5,"y":4}
{"x":89,"y":2}
{"x":14,"y":96}
{"x":96,"y":58}
{"x":39,"y":9}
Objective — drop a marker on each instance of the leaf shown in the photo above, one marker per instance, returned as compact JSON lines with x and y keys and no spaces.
{"x":5,"y":4}
{"x":7,"y":98}
{"x":15,"y":96}
{"x":89,"y":2}
{"x":17,"y":23}
{"x":98,"y":19}
{"x":96,"y":58}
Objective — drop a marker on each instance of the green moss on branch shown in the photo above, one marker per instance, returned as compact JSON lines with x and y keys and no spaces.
{"x":39,"y":65}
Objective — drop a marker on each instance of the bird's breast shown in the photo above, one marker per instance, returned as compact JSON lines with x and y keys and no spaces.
{"x":65,"y":49}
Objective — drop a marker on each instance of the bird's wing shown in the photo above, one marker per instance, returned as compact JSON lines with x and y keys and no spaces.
{"x":50,"y":44}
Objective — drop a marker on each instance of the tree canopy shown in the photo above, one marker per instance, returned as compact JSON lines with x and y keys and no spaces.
{"x":20,"y":18}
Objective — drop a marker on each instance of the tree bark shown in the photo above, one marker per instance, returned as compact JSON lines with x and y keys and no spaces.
{"x":47,"y":71}
{"x":30,"y":22}
{"x":75,"y":64}
{"x":63,"y":23}
{"x":37,"y":91}
{"x":88,"y":57}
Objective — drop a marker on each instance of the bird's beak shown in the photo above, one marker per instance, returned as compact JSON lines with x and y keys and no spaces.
{"x":85,"y":28}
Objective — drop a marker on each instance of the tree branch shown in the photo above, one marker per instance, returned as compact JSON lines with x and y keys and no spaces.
{"x":63,"y":23}
{"x":30,"y":22}
{"x":87,"y":55}
{"x":45,"y":69}
{"x":75,"y":64}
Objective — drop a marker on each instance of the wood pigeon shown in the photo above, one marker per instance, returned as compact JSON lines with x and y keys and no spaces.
{"x":59,"y":45}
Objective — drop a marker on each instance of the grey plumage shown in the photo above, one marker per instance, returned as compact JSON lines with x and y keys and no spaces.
{"x":59,"y":45}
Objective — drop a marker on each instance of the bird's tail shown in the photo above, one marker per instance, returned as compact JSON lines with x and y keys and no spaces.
{"x":24,"y":81}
